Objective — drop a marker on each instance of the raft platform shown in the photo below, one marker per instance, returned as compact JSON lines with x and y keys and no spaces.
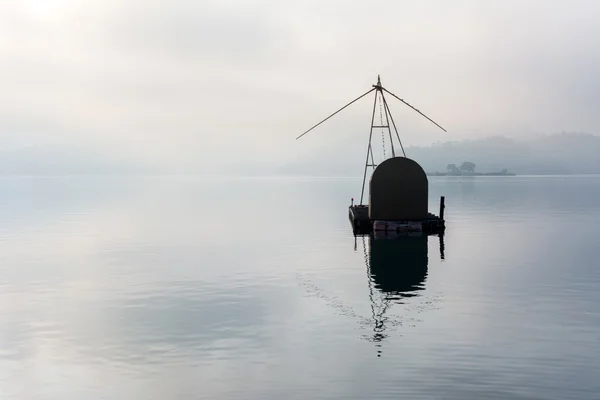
{"x":362,"y":224}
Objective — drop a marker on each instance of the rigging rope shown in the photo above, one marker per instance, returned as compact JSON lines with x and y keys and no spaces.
{"x":381,"y":124}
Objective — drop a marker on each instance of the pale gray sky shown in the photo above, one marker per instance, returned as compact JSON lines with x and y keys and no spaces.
{"x":209,"y":83}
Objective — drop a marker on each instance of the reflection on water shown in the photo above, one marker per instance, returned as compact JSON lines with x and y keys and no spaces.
{"x":398,"y":266}
{"x":397,"y":269}
{"x":183,"y":287}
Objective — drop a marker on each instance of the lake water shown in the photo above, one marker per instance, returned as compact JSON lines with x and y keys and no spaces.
{"x":206,"y":288}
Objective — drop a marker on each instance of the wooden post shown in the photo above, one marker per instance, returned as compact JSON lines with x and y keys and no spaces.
{"x":442,"y":206}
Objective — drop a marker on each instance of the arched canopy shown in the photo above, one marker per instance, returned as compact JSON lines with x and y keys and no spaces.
{"x":398,"y":191}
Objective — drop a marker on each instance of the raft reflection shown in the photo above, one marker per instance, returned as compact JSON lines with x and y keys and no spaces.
{"x":397,"y":268}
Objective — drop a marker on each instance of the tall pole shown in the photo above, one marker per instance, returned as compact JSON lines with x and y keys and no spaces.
{"x":368,"y":150}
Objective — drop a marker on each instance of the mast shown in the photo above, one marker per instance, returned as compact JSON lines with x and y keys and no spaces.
{"x":382,"y":105}
{"x":384,"y":109}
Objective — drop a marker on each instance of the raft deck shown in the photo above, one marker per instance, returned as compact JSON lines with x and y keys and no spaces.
{"x":362,"y":224}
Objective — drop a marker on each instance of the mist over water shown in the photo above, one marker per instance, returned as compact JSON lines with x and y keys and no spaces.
{"x":152,"y":288}
{"x":126,"y":275}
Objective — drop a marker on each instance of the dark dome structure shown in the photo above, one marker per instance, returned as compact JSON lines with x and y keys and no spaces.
{"x":398,"y":191}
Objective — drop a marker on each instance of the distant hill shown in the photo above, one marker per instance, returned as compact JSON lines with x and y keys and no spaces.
{"x":64,"y":160}
{"x":563,"y":153}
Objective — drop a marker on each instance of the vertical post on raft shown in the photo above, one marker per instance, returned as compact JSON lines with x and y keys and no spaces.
{"x":369,"y":151}
{"x":442,"y":207}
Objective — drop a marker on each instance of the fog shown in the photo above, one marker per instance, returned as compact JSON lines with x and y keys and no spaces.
{"x":213,"y":87}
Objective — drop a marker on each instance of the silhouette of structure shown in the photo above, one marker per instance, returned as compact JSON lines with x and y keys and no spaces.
{"x":399,"y":187}
{"x":398,"y":191}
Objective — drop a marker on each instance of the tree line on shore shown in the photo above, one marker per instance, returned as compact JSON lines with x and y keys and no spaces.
{"x":468,"y":168}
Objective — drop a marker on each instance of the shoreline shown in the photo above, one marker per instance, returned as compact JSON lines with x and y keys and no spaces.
{"x":472,"y":174}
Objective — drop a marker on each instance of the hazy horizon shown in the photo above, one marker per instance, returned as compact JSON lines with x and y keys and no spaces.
{"x":564,"y":153}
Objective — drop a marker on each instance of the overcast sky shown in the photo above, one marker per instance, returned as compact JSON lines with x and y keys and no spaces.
{"x":206,"y":83}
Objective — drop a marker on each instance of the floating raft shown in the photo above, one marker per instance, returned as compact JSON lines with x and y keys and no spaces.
{"x":362,"y":224}
{"x":398,"y":188}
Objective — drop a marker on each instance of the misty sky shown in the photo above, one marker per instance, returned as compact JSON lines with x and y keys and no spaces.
{"x":185,"y":84}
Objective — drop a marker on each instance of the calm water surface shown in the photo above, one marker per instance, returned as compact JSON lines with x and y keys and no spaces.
{"x":198,"y":288}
